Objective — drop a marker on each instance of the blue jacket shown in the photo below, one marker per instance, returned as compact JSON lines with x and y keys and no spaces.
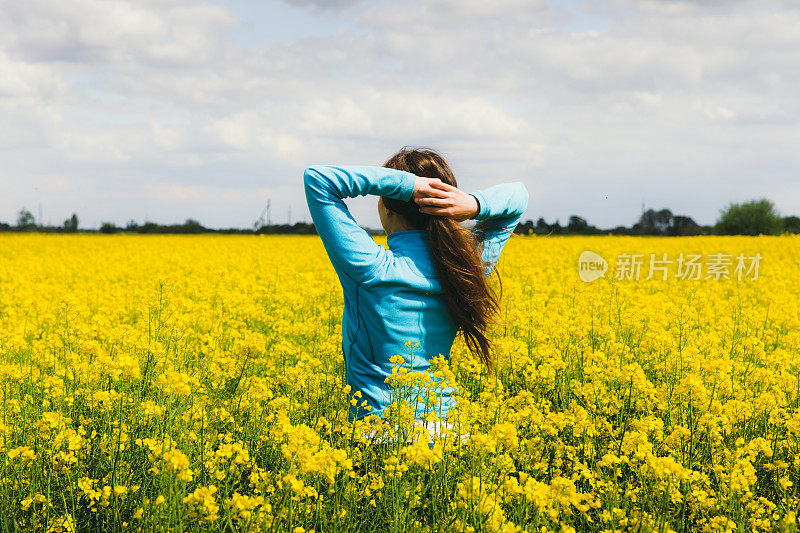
{"x":394,"y":296}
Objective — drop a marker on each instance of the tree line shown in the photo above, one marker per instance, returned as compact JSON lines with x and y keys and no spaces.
{"x":27,"y":222}
{"x":756,"y":217}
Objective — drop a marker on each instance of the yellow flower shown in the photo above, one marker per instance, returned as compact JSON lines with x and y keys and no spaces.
{"x":172,"y":362}
{"x":203,"y":504}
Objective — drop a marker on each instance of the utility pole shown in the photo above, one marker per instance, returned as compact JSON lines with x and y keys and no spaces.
{"x":269,"y":218}
{"x":41,"y":220}
{"x":290,"y":215}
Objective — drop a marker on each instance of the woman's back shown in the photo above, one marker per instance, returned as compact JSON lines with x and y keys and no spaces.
{"x":399,"y":311}
{"x":393,"y":299}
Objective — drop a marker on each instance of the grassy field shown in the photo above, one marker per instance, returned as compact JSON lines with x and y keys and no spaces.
{"x":194,"y":383}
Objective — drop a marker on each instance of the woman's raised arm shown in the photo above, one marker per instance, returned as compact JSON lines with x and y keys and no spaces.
{"x":500,"y":210}
{"x":352,"y":251}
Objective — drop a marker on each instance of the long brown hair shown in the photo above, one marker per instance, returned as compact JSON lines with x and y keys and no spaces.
{"x":456,"y":253}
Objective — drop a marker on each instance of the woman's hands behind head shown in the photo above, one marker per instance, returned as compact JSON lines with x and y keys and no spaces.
{"x":435,"y":197}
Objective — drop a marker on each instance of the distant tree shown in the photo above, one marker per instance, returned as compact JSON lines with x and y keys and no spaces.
{"x":663,"y":220}
{"x":647,"y":222}
{"x":132,"y":226}
{"x":577,"y":224}
{"x":750,"y":218}
{"x":108,"y":227}
{"x":298,"y":228}
{"x":623,"y":230}
{"x":791,"y":224}
{"x":71,"y":224}
{"x":682,"y":226}
{"x":25,"y":220}
{"x":192,"y":226}
{"x":654,"y":222}
{"x":524,"y":228}
{"x":542,"y":227}
{"x":149,"y":227}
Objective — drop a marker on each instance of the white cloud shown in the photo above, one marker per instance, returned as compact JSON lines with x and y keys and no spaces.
{"x":169,"y":33}
{"x":161,"y":96}
{"x":324,"y":4}
{"x":683,"y":8}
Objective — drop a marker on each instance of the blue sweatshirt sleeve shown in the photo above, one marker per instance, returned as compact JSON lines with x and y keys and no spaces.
{"x":500,"y":209}
{"x":352,"y":250}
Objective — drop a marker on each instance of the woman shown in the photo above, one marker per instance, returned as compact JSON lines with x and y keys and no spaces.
{"x":430,"y":284}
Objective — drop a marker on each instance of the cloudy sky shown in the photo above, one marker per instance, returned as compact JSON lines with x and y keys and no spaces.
{"x":170,"y":109}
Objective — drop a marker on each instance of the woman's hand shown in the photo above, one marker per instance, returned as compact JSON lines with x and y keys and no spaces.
{"x":435,"y":197}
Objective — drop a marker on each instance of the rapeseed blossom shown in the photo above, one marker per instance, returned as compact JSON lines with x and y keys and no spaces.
{"x":196,"y":383}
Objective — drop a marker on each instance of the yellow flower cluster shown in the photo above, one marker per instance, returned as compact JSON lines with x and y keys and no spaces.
{"x":202,"y":503}
{"x":171,"y":457}
{"x":196,"y":383}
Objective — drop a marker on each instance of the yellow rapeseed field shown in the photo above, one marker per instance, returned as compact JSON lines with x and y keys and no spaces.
{"x":195,"y":383}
